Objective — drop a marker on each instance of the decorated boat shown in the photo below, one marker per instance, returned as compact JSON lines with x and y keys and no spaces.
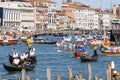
{"x":7,"y":42}
{"x":112,"y":51}
{"x":95,"y":43}
{"x":1,"y":40}
{"x":8,"y":37}
{"x":109,"y":48}
{"x":108,"y":53}
{"x":12,"y":41}
{"x":80,"y":48}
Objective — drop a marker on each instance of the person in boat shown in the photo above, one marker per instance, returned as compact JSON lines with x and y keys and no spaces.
{"x":16,"y":62}
{"x":64,"y":45}
{"x":47,"y":40}
{"x":23,"y":56}
{"x":78,"y":53}
{"x":95,"y":51}
{"x":29,"y":47}
{"x":32,"y":52}
{"x":86,"y":55}
{"x":112,"y":38}
{"x":15,"y":54}
{"x":13,"y":50}
{"x":26,"y":63}
{"x":79,"y":44}
{"x":70,"y":46}
{"x":80,"y":50}
{"x":106,"y":42}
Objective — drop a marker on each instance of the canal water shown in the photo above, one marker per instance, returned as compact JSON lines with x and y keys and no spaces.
{"x":48,"y":55}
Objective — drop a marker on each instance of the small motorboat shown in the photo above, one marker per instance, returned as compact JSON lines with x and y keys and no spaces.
{"x":41,"y":40}
{"x":45,"y":42}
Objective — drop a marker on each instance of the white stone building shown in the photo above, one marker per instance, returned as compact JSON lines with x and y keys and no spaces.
{"x":86,"y":18}
{"x":17,"y":15}
{"x":10,"y":15}
{"x":51,"y":14}
{"x":27,"y":16}
{"x":106,"y":19}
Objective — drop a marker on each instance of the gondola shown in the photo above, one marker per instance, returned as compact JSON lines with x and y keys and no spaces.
{"x":92,"y":58}
{"x":27,"y":67}
{"x":11,"y":68}
{"x":88,"y":59}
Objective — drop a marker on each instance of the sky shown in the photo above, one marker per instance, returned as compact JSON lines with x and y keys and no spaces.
{"x":104,"y":4}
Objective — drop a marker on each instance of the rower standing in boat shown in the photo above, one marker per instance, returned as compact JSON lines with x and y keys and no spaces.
{"x":95,"y":51}
{"x":32,"y":52}
{"x":23,"y":56}
{"x":15,"y":54}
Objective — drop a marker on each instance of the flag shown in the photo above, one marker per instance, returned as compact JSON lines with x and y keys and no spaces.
{"x":82,"y":49}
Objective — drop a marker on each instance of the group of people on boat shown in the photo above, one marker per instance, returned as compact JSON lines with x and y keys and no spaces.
{"x":81,"y":49}
{"x":107,"y":45}
{"x":65,"y":43}
{"x":23,"y":58}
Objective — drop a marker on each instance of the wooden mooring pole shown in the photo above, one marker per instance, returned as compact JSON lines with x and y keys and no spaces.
{"x":59,"y":77}
{"x":80,"y":76}
{"x":70,"y":74}
{"x":48,"y":74}
{"x":109,"y":74}
{"x":28,"y":77}
{"x":89,"y":72}
{"x":96,"y":77}
{"x":23,"y":74}
{"x":108,"y":71}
